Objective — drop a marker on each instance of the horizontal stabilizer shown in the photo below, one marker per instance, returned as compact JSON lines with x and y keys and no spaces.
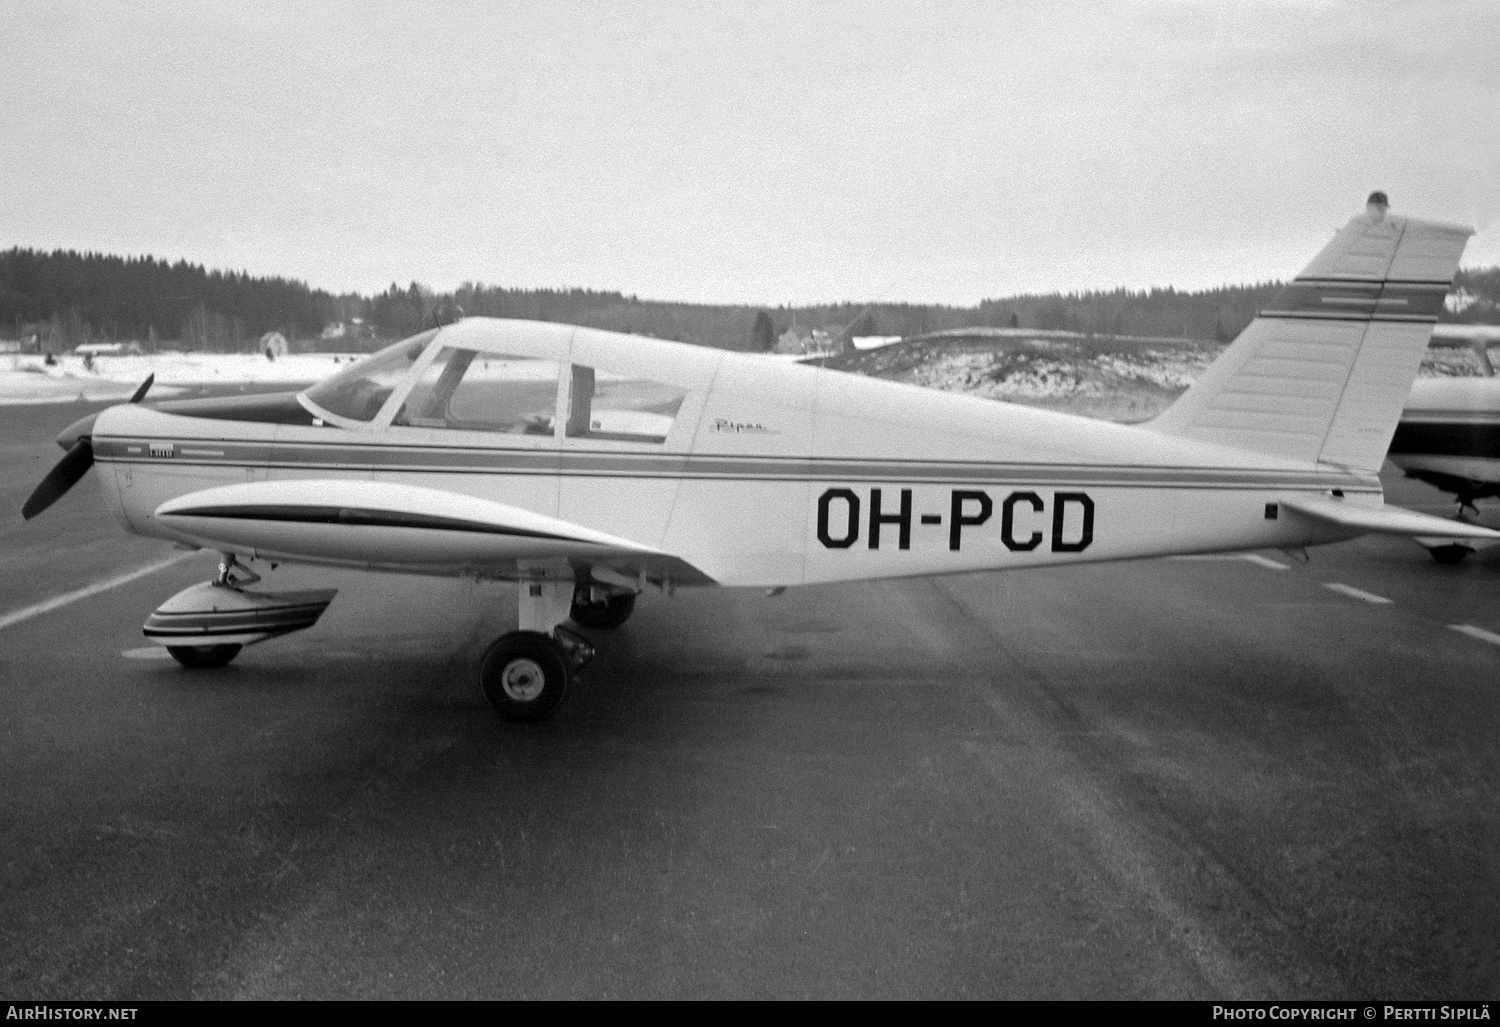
{"x":1386,"y":520}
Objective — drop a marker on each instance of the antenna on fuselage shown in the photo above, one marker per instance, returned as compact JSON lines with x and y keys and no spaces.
{"x":446,"y":313}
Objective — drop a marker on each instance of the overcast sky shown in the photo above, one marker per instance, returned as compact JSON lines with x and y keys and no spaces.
{"x":744,"y":152}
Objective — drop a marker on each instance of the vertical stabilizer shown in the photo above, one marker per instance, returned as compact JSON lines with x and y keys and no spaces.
{"x":1321,"y":374}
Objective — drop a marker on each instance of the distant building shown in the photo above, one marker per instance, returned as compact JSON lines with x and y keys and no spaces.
{"x":835,"y":339}
{"x":347,"y":330}
{"x":794,"y":340}
{"x":800,"y":340}
{"x":108,"y":349}
{"x":35,"y":336}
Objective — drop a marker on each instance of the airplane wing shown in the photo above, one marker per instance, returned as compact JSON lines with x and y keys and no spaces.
{"x":1388,"y":520}
{"x":387,"y":526}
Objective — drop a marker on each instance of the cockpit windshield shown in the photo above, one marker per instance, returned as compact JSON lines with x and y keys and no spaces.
{"x":359,"y":391}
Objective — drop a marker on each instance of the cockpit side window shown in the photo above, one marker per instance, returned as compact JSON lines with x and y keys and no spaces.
{"x":466,"y":390}
{"x":619,"y":408}
{"x":358,"y":392}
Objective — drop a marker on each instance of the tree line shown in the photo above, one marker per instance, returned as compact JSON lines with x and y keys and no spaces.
{"x":64,"y":298}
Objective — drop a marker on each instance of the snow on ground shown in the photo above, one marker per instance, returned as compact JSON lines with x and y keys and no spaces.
{"x":1122,"y":384}
{"x":1107,"y":377}
{"x":28,"y":379}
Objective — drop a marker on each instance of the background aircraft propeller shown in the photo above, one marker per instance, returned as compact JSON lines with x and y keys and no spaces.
{"x":143,"y":388}
{"x":77,"y":440}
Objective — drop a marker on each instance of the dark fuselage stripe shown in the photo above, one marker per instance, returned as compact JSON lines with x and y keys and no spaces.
{"x":1447,"y":439}
{"x":1463,"y":418}
{"x":292,"y":514}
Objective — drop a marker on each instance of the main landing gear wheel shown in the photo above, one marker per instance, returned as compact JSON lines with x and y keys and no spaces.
{"x":1450,"y":554}
{"x":525,"y":675}
{"x":204,"y":657}
{"x":609,"y":612}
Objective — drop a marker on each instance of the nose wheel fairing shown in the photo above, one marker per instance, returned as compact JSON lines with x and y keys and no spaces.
{"x":220,"y":613}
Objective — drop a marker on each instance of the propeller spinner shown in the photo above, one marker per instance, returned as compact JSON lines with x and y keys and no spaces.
{"x":76,"y":439}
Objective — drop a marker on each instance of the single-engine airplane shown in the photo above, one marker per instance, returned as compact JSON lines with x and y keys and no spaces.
{"x":1449,"y":433}
{"x":588,"y":466}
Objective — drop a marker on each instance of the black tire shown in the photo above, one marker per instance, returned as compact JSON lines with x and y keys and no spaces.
{"x":1450,"y":554}
{"x":524,"y":675}
{"x":610,"y":613}
{"x":204,"y":657}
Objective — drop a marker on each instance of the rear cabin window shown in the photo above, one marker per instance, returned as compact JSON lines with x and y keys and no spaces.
{"x":358,"y":392}
{"x":620,"y":408}
{"x":467,"y":390}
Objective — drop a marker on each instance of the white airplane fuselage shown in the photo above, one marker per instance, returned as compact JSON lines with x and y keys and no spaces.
{"x":771,"y":474}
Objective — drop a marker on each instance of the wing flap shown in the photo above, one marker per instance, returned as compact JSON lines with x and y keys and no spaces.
{"x":1388,"y":520}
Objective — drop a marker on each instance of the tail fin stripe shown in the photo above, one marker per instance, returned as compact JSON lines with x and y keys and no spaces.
{"x":1358,"y":301}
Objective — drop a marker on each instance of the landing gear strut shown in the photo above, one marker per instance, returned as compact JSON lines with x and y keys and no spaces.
{"x":525,"y":674}
{"x":231,"y":574}
{"x":1454,"y":552}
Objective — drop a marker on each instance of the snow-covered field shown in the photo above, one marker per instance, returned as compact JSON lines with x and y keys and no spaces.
{"x":1117,"y":379}
{"x":1113,"y":386}
{"x":28,"y":379}
{"x":1114,"y":379}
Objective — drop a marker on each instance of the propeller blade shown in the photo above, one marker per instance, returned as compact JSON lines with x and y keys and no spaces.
{"x":74,"y":465}
{"x":75,"y":462}
{"x":140,"y":393}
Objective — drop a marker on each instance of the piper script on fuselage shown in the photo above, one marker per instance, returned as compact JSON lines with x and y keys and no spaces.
{"x":902,"y":518}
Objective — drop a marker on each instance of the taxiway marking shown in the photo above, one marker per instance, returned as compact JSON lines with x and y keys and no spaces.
{"x":1264,"y":561}
{"x":147,"y":652}
{"x":1255,"y":558}
{"x":1355,"y":593}
{"x":1479,"y":633}
{"x":28,"y":612}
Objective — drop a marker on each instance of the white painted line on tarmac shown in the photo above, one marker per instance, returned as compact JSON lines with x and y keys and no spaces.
{"x":147,"y":652}
{"x":1255,"y":558}
{"x":1355,"y":593}
{"x":1264,"y":561}
{"x":17,"y":616}
{"x":1479,"y":633}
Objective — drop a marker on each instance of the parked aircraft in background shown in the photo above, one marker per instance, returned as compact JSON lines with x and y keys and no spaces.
{"x":1479,"y":338}
{"x":1449,"y":435}
{"x":588,"y":466}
